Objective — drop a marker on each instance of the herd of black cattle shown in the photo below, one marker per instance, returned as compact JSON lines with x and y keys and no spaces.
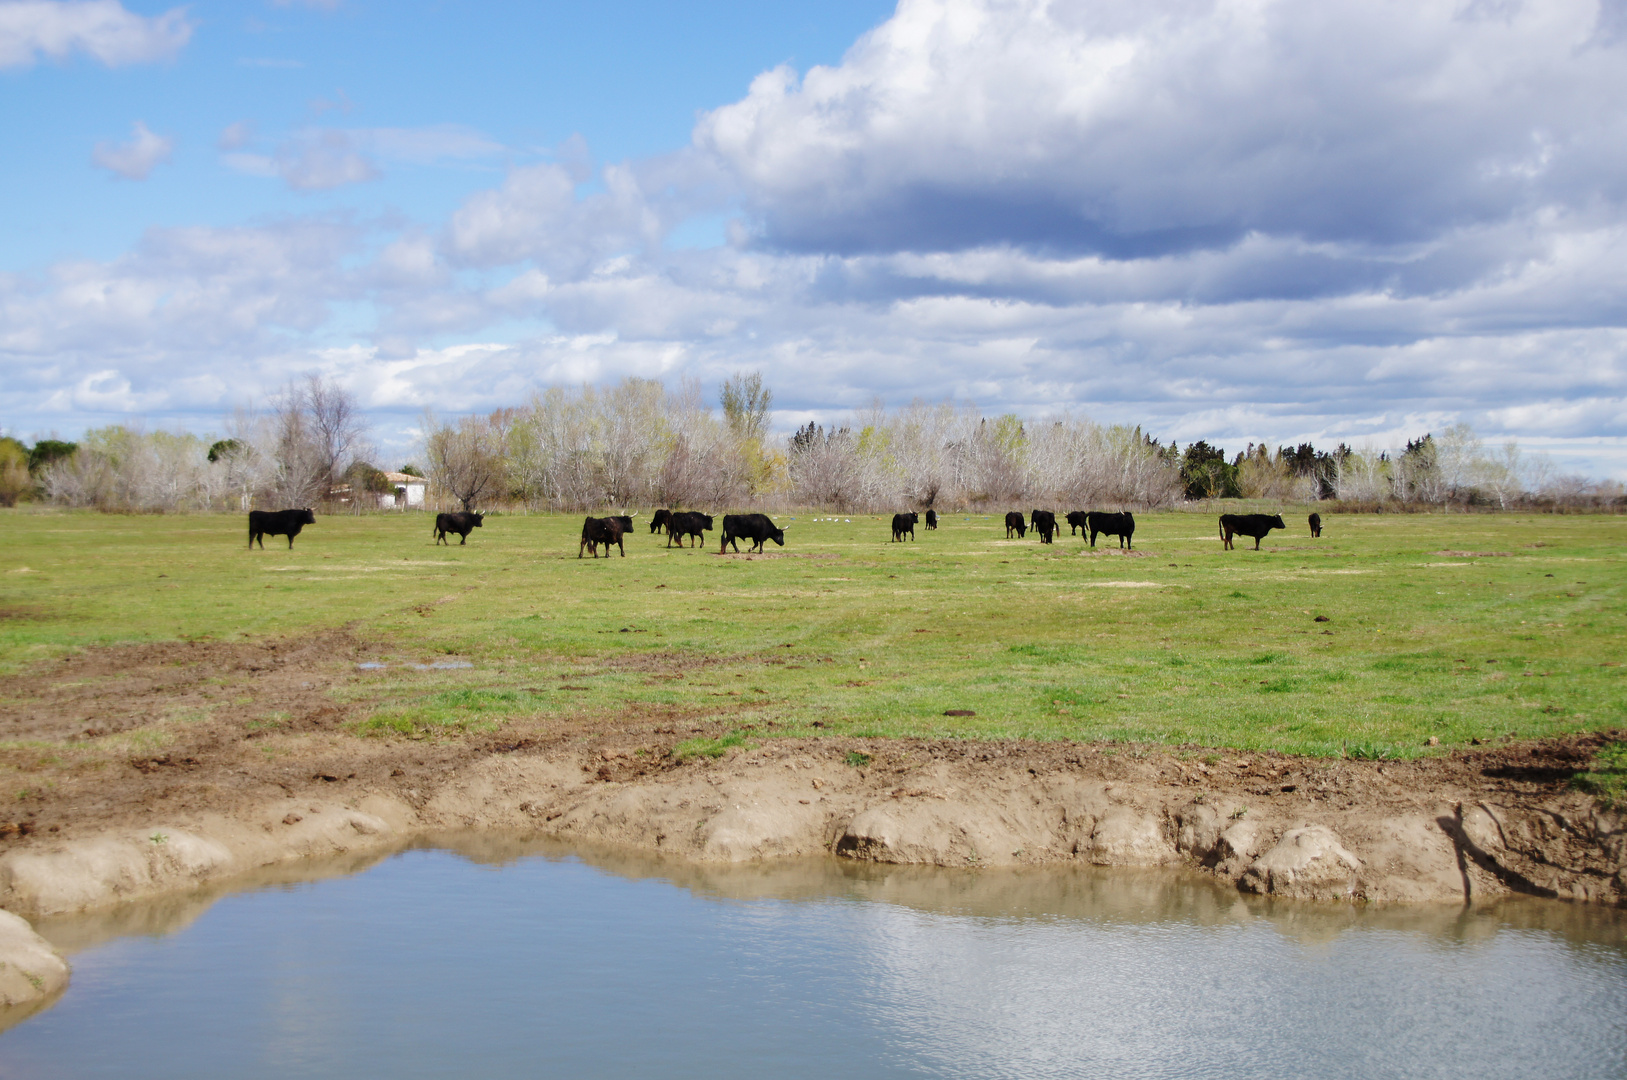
{"x":757,"y":529}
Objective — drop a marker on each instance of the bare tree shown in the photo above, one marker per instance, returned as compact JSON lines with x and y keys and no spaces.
{"x":824,"y":467}
{"x":465,"y":460}
{"x":299,"y":476}
{"x":337,"y":428}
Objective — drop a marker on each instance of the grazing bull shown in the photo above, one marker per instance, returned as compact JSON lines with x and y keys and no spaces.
{"x":1316,"y":525}
{"x":756,"y":528}
{"x":596,"y":531}
{"x":660,"y":521}
{"x":1044,"y":523}
{"x":1122,"y":526}
{"x":1014,"y":521}
{"x":1077,"y":519}
{"x":456,"y":523}
{"x":264,"y":523}
{"x":688,"y":523}
{"x":1255,"y":525}
{"x":932,"y":519}
{"x":904,"y":523}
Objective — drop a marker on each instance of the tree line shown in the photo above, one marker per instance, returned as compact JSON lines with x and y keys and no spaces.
{"x":639,"y":443}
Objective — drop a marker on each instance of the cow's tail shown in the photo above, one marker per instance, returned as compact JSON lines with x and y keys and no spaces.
{"x":1223,"y":532}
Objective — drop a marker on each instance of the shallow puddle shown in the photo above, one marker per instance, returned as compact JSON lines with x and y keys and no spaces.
{"x":506,"y":957}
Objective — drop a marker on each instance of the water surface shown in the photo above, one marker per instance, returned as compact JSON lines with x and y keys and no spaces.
{"x":492,"y":957}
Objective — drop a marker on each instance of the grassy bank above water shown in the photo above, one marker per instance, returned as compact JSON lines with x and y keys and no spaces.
{"x":1446,"y":626}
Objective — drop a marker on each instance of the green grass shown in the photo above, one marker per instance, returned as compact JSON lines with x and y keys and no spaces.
{"x":850,"y":634}
{"x":712,"y":748}
{"x":1607,"y":779}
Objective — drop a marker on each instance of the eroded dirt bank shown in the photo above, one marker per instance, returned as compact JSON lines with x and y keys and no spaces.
{"x":221,"y":798}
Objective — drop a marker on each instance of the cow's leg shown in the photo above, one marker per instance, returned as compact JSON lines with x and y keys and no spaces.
{"x":463,"y":540}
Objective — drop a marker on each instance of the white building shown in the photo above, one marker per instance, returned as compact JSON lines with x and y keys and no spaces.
{"x":408,"y":491}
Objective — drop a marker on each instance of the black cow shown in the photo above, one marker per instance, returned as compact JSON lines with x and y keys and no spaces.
{"x":754,"y":527}
{"x":596,"y":531}
{"x":1014,"y":520}
{"x":904,"y":523}
{"x":932,"y":519}
{"x":1255,"y":525}
{"x":1077,"y":519}
{"x":688,"y":523}
{"x":1316,"y":524}
{"x":626,"y":522}
{"x":660,"y":521}
{"x":264,"y":523}
{"x":1045,"y":524}
{"x":456,"y":523}
{"x":1122,"y":526}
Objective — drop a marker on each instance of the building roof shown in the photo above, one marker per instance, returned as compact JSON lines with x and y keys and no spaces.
{"x":404,"y":478}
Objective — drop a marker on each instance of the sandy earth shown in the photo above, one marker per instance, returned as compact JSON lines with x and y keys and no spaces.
{"x":106,"y":818}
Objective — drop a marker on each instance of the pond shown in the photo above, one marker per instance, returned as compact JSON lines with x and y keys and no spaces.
{"x":506,"y":957}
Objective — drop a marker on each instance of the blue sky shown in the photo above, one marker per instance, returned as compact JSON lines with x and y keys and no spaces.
{"x":1228,"y":219}
{"x":627,"y":78}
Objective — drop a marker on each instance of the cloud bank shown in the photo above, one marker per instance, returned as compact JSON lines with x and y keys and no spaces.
{"x":1224,"y":219}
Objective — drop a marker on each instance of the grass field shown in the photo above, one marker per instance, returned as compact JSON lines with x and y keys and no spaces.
{"x":1454,"y":627}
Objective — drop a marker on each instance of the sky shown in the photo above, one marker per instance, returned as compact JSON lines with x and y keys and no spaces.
{"x":1239,"y":220}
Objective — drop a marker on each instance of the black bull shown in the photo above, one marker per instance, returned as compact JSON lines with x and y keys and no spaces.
{"x":688,"y":523}
{"x":756,"y":528}
{"x":456,"y":523}
{"x":264,"y":523}
{"x":596,"y":531}
{"x":1122,"y":526}
{"x":1255,"y":525}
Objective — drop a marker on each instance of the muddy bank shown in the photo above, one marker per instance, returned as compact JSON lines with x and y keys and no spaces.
{"x":1367,"y":831}
{"x":108,"y":819}
{"x":1331,"y":831}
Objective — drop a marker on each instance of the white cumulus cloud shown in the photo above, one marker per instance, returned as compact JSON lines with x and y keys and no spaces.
{"x":134,"y":159}
{"x":103,"y":29}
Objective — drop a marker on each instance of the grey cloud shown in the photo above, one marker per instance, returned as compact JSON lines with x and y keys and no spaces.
{"x":1135,"y":129}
